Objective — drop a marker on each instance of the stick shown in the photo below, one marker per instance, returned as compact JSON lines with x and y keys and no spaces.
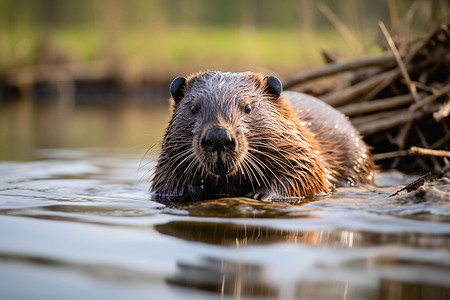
{"x":387,"y":123}
{"x":430,"y":99}
{"x":402,"y":136}
{"x":429,"y":152}
{"x":412,"y":151}
{"x":376,"y":105}
{"x":387,"y":36}
{"x":425,"y":144}
{"x":387,"y":155}
{"x":364,"y":120}
{"x":337,"y":67}
{"x":346,"y":95}
{"x":391,"y":79}
{"x":413,"y":185}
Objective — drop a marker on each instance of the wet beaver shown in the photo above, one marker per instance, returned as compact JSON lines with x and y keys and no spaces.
{"x":237,"y":134}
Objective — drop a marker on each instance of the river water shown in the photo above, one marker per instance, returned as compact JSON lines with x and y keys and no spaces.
{"x":77,"y":222}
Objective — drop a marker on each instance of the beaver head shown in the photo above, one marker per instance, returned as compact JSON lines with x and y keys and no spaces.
{"x":232,"y":134}
{"x":217,"y":110}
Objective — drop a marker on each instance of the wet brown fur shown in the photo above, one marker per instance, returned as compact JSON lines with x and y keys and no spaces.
{"x":276,"y":155}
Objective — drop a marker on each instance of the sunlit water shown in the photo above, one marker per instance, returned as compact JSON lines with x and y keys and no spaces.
{"x":81,"y":224}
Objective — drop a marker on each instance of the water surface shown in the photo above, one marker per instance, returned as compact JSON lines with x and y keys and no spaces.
{"x":77,"y":222}
{"x":86,"y":227}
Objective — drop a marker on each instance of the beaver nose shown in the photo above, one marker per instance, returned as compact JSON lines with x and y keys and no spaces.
{"x":217,"y":139}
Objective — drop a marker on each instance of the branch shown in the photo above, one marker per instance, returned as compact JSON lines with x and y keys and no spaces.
{"x":375,"y":105}
{"x":430,"y":99}
{"x":346,"y":95}
{"x":337,"y":67}
{"x":429,"y":152}
{"x":387,"y":123}
{"x":387,"y":36}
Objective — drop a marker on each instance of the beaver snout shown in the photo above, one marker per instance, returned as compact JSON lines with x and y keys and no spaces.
{"x":218,"y":139}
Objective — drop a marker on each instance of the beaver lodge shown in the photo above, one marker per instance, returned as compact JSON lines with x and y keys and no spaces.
{"x":399,"y":101}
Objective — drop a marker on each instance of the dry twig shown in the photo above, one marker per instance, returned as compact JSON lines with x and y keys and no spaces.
{"x":429,"y":152}
{"x":398,"y":58}
{"x":413,"y":185}
{"x":338,"y":67}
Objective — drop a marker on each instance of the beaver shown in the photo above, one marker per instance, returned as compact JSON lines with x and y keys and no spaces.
{"x":240,"y":135}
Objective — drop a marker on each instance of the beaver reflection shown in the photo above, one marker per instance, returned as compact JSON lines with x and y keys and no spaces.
{"x":229,"y":234}
{"x":226,"y":278}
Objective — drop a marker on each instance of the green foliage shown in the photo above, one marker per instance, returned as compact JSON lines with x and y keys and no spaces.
{"x":173,"y":33}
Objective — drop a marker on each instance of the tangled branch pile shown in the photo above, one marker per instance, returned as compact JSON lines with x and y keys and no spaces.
{"x":398,"y":101}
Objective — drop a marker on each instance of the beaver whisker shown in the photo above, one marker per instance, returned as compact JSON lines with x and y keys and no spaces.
{"x":236,"y":166}
{"x":256,"y":159}
{"x":241,"y":171}
{"x":269,"y":169}
{"x":260,"y":162}
{"x":251,"y":169}
{"x":185,"y":156}
{"x":257,"y":167}
{"x":293,"y":173}
{"x":247,"y":172}
{"x":284,"y":158}
{"x":189,"y":156}
{"x":203,"y":170}
{"x":194,"y":160}
{"x":256,"y":163}
{"x":180,"y":159}
{"x":280,"y":162}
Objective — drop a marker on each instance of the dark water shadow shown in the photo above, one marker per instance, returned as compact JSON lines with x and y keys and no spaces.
{"x":242,"y":208}
{"x":231,"y":234}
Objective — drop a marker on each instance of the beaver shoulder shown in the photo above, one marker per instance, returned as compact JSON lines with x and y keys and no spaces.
{"x":338,"y":139}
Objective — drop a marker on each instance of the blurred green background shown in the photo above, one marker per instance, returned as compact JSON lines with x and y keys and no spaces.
{"x":179,"y":36}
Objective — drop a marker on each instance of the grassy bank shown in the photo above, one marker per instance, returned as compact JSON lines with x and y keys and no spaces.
{"x":184,"y":48}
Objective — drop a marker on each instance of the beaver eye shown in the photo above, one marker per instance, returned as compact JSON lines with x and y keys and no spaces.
{"x":248,"y":109}
{"x":193,"y":109}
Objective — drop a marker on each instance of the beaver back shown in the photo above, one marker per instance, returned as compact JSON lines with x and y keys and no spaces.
{"x":340,"y":144}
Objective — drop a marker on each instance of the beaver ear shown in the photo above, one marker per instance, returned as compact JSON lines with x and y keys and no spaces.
{"x":177,"y":88}
{"x":273,"y":86}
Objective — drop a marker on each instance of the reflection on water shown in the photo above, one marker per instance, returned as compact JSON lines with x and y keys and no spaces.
{"x":410,"y":290}
{"x":229,"y":234}
{"x":246,"y":280}
{"x":131,"y":126}
{"x":225,"y":278}
{"x":78,"y":223}
{"x":240,"y":208}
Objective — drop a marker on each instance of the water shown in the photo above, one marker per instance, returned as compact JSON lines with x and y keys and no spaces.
{"x":77,"y":222}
